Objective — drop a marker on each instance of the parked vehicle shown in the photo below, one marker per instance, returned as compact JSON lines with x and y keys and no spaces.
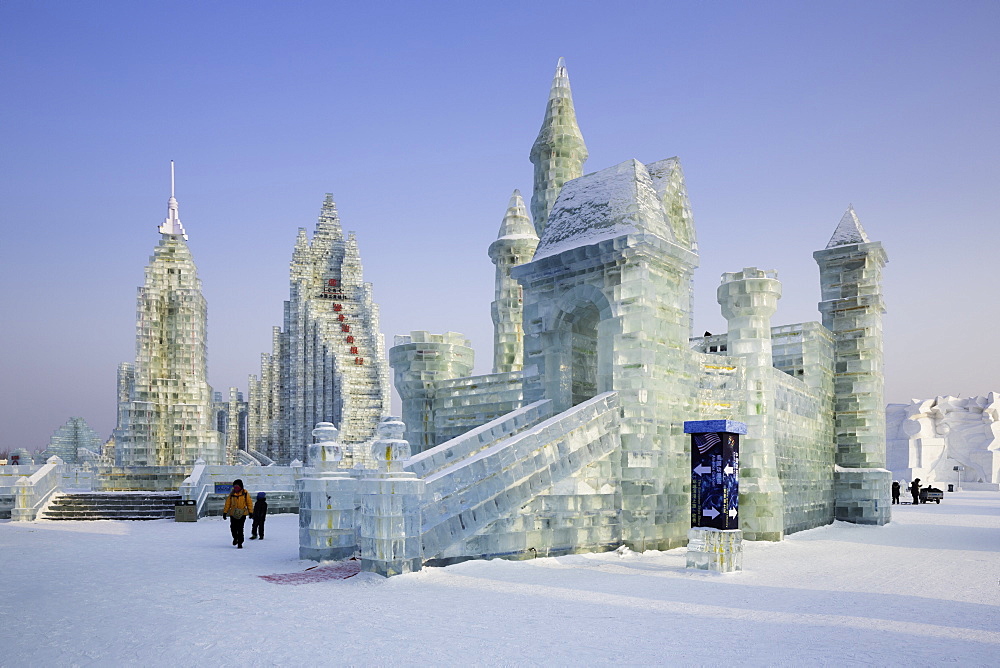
{"x":928,"y":494}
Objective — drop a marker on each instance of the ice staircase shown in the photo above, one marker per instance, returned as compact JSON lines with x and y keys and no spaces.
{"x":474,"y":482}
{"x":111,"y":506}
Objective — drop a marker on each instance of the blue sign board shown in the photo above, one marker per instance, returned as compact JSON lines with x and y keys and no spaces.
{"x":715,"y":473}
{"x":223,"y":488}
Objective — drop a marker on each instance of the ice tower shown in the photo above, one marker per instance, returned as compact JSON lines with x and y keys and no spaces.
{"x":328,"y":362}
{"x":559,"y":152}
{"x":748,"y":299}
{"x":165,"y":415}
{"x":852,"y":307}
{"x":514,"y":246}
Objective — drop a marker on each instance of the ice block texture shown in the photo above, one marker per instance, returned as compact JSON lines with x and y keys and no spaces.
{"x":328,"y":363}
{"x":559,"y":151}
{"x":165,"y":413}
{"x":852,"y":307}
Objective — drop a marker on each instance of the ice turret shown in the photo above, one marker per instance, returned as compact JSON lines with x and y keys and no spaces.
{"x":748,"y":299}
{"x":852,"y":307}
{"x":559,"y":151}
{"x":515,"y":244}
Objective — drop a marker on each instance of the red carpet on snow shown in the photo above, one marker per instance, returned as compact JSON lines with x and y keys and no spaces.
{"x":340,"y":571}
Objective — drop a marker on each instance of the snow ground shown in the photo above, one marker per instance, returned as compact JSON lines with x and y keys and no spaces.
{"x":923,"y":589}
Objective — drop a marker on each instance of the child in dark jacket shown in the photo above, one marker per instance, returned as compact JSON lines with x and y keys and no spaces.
{"x":259,"y":515}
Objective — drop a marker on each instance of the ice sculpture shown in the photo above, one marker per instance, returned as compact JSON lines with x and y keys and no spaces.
{"x":165,"y":413}
{"x":327,"y":501}
{"x":946,"y":440}
{"x":328,"y":361}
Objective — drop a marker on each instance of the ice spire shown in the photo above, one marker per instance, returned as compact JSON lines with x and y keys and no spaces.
{"x":849,"y":231}
{"x":172,"y":224}
{"x":559,"y":151}
{"x":328,"y":223}
{"x":516,"y":224}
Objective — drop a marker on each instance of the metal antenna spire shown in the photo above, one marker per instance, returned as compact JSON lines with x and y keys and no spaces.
{"x":172,"y":224}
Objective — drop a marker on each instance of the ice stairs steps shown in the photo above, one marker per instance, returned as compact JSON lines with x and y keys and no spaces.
{"x":111,"y":506}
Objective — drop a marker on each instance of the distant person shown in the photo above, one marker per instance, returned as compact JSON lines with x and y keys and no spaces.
{"x":259,"y":515}
{"x":915,"y":491}
{"x":238,"y":507}
{"x":895,"y":491}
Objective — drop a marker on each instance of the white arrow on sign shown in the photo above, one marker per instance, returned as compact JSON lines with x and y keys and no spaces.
{"x":711,"y":512}
{"x":701,"y":469}
{"x":732,"y":512}
{"x":729,"y":470}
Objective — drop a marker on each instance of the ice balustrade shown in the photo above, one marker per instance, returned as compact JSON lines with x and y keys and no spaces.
{"x":244,"y":458}
{"x":262,"y":458}
{"x":9,"y":475}
{"x":31,"y":493}
{"x":200,"y":485}
{"x":455,"y":450}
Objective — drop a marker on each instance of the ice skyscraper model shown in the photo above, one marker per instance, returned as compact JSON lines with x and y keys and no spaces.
{"x":328,"y":362}
{"x":165,"y":415}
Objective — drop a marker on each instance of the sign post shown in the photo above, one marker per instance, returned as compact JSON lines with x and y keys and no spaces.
{"x":715,"y":542}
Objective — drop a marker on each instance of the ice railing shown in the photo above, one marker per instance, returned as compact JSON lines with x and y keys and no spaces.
{"x":475,"y":440}
{"x":31,"y":493}
{"x":201,"y":483}
{"x":244,"y":458}
{"x":262,"y":458}
{"x":471,"y":494}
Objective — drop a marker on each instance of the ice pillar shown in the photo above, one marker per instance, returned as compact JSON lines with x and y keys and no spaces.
{"x":327,"y":500}
{"x":391,"y":507}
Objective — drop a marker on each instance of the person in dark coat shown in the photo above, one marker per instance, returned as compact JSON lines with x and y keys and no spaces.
{"x":915,"y":491}
{"x":238,"y":507}
{"x":259,"y":515}
{"x":895,"y":491}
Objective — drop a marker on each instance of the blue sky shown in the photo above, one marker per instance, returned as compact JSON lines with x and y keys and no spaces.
{"x":419,"y":116}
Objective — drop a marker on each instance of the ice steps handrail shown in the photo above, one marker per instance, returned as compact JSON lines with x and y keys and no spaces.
{"x":463,"y":498}
{"x":449,"y":453}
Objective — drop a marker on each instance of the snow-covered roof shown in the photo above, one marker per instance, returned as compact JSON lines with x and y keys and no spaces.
{"x":603,"y":205}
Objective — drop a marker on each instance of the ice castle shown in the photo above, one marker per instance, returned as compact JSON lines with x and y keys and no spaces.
{"x":575,"y":442}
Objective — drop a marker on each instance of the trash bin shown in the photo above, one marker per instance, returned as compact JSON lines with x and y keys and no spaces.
{"x":185,"y":511}
{"x":951,"y":488}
